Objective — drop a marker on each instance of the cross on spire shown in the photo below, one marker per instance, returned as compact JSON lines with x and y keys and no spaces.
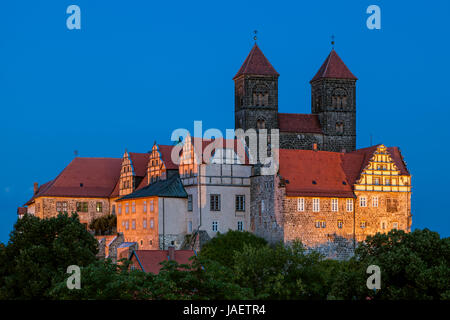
{"x":332,"y":41}
{"x":255,"y":37}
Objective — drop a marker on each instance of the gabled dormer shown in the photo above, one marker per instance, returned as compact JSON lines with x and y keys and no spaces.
{"x":134,"y":167}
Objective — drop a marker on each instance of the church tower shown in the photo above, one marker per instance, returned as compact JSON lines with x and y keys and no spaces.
{"x":256,"y":93}
{"x":333,"y":99}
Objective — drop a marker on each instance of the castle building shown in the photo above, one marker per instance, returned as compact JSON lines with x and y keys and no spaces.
{"x":325,"y":192}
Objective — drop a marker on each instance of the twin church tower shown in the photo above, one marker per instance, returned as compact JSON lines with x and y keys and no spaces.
{"x":331,"y":126}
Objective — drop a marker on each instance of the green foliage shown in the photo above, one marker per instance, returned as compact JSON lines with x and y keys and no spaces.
{"x":414,"y":266}
{"x":222,"y":247}
{"x":104,"y":225}
{"x":39,"y":252}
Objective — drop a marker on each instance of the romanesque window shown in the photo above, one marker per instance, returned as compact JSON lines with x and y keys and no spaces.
{"x":316,"y":205}
{"x":261,"y":99}
{"x":99,"y":207}
{"x":214,"y":202}
{"x":189,"y":202}
{"x":240,"y":202}
{"x":339,"y":98}
{"x":339,"y":127}
{"x":375,"y":201}
{"x":334,"y":205}
{"x":260,"y":124}
{"x":240,"y":226}
{"x":301,"y":204}
{"x":349,"y":205}
{"x":215,"y":226}
{"x":363,"y":201}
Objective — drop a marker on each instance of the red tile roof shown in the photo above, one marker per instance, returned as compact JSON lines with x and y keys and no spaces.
{"x":301,"y":123}
{"x":150,"y":260}
{"x":21,"y":211}
{"x":166,"y":155}
{"x":139,"y":162}
{"x":256,"y":63}
{"x":84,"y":177}
{"x":314,"y":173}
{"x":329,"y":170}
{"x":334,"y":67}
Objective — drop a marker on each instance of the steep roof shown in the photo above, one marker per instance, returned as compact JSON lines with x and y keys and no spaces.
{"x":166,"y":155}
{"x":314,"y":173}
{"x":210,"y":145}
{"x":334,"y":67}
{"x":301,"y":123}
{"x":334,"y":173}
{"x":150,"y":260}
{"x":84,"y":177}
{"x":139,"y":162}
{"x":172,"y":187}
{"x":257,"y":64}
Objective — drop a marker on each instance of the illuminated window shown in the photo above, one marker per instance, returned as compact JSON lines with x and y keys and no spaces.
{"x":334,"y":205}
{"x":349,"y":205}
{"x":316,"y":205}
{"x":301,"y":204}
{"x":99,"y":207}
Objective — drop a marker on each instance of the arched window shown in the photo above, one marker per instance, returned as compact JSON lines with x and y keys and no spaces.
{"x":339,"y":127}
{"x":339,"y":98}
{"x":260,"y":124}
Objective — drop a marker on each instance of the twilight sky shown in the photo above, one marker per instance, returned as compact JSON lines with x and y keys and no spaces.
{"x":137,"y":70}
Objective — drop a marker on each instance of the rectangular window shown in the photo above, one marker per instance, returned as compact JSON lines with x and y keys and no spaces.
{"x":82,"y":206}
{"x":119,"y":208}
{"x":240,"y":226}
{"x":133,"y":207}
{"x":144,"y":223}
{"x":126,"y":208}
{"x":152,"y":206}
{"x":133,"y":224}
{"x":391,"y":205}
{"x":301,"y":204}
{"x":395,"y":225}
{"x":262,"y":207}
{"x":375,"y":202}
{"x":189,"y":203}
{"x":113,"y":210}
{"x":376,"y":181}
{"x":61,"y":206}
{"x":127,"y":225}
{"x":363,"y":224}
{"x":387,"y":181}
{"x":349,"y":205}
{"x":316,"y":205}
{"x":152,"y":223}
{"x":363,"y":202}
{"x":240,"y":203}
{"x":317,"y":224}
{"x":190,"y":227}
{"x":214,"y":226}
{"x":334,"y":205}
{"x":340,"y":223}
{"x":144,"y":206}
{"x":214,"y":202}
{"x":99,"y":207}
{"x":323,"y":224}
{"x":383,"y":225}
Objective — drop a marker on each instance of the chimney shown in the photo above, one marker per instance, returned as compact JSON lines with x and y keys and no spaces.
{"x":315,"y":146}
{"x":171,"y":253}
{"x":35,"y":187}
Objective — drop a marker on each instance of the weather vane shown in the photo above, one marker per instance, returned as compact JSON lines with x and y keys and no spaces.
{"x":332,"y":41}
{"x":255,"y":37}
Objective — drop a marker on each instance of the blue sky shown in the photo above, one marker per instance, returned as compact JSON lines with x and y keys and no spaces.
{"x":139,"y":69}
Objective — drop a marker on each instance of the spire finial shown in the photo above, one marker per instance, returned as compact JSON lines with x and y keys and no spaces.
{"x":255,"y":37}
{"x":332,"y":42}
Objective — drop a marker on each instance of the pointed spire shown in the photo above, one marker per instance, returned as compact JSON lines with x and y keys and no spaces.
{"x":334,"y":67}
{"x":256,"y":63}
